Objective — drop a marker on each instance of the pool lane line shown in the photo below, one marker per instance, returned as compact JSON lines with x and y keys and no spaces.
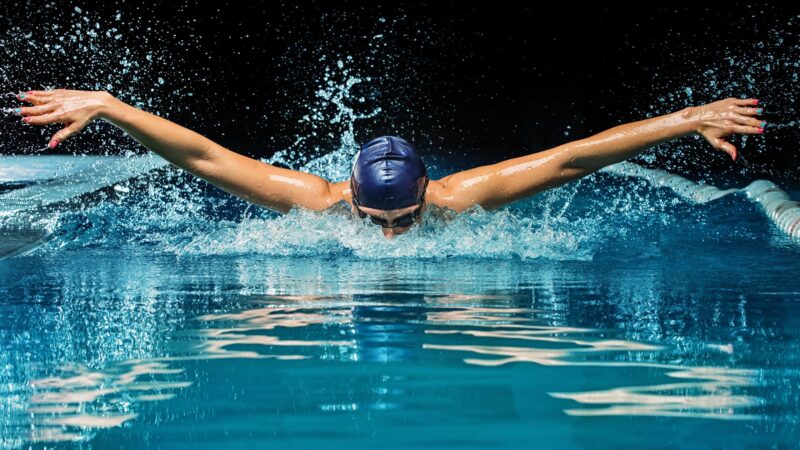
{"x":775,"y":203}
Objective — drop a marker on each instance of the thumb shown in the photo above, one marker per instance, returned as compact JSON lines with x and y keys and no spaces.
{"x":64,"y":134}
{"x":726,"y":147}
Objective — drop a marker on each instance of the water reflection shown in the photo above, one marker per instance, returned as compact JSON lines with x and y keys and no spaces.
{"x":252,"y":329}
{"x":298,"y":327}
{"x":68,"y":406}
{"x":707,"y":393}
{"x":713,"y":396}
{"x":658,"y":351}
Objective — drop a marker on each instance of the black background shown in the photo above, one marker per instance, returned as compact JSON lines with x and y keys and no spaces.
{"x":479,"y":83}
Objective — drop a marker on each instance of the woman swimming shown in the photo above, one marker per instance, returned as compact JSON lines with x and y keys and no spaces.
{"x":389,"y":182}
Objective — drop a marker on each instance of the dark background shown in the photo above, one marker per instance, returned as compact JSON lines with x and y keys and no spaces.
{"x":477,"y":83}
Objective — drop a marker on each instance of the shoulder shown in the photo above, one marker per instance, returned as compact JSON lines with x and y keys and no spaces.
{"x":439,"y":195}
{"x":436,"y":193}
{"x":340,"y":192}
{"x":338,"y":198}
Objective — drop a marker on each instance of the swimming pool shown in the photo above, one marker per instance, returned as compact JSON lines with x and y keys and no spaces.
{"x":606,"y":314}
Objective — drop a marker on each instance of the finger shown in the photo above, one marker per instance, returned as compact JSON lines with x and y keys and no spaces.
{"x":37,"y":110}
{"x":746,"y":101}
{"x":726,"y":147}
{"x":745,"y":129}
{"x":749,"y":111}
{"x":65,"y":133}
{"x":44,"y":119}
{"x":33,"y":99}
{"x":47,"y":93}
{"x":749,"y":121}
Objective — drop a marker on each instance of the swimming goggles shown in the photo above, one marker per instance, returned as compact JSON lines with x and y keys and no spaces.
{"x":399,"y":222}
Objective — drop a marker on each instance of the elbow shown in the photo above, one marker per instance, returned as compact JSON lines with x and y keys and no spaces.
{"x":201,"y":167}
{"x":578,"y":160}
{"x":576,"y":167}
{"x":574,"y":173}
{"x":201,"y":162}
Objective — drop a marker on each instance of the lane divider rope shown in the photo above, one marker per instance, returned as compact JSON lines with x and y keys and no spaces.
{"x":776,"y":204}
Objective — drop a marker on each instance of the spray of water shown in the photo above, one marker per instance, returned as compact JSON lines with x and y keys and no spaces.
{"x":762,"y":65}
{"x":175,"y":213}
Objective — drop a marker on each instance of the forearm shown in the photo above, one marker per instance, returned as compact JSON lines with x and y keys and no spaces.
{"x":276,"y":188}
{"x":501,"y":183}
{"x":178,"y":145}
{"x":627,"y":140}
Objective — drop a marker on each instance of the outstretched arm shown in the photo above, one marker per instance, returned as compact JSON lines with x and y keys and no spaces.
{"x":273,"y":187}
{"x":498,"y":184}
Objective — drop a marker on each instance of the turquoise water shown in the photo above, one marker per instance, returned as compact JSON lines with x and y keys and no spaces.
{"x":161,"y":313}
{"x":605,"y":314}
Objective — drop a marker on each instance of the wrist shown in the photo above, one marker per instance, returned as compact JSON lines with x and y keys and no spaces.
{"x":109,"y":107}
{"x":689,"y":120}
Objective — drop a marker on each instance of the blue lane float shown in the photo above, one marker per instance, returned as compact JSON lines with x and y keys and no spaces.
{"x":776,"y":204}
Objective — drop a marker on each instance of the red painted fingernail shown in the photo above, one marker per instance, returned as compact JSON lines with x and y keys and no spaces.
{"x":755,"y":102}
{"x":53,"y":143}
{"x":760,"y":130}
{"x":26,"y":119}
{"x":29,"y":92}
{"x":734,"y":155}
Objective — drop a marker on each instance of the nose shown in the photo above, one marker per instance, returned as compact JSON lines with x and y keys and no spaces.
{"x":390,"y":233}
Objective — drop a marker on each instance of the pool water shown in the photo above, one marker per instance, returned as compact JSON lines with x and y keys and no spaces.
{"x":606,"y":314}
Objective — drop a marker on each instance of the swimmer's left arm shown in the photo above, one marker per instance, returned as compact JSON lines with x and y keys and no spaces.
{"x":273,"y":187}
{"x":498,"y":184}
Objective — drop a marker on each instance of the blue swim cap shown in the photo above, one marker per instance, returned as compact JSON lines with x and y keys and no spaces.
{"x":388,"y":174}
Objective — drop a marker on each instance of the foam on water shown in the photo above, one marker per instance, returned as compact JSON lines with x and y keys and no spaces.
{"x":110,"y":337}
{"x":176,"y":214}
{"x":172,"y":212}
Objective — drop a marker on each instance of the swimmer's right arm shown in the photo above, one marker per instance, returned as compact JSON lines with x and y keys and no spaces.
{"x":257,"y":182}
{"x":495,"y":185}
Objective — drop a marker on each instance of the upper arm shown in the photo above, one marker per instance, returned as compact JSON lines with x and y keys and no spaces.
{"x":264,"y":184}
{"x":495,"y":185}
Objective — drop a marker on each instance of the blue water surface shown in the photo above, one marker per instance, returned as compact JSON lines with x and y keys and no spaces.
{"x":605,"y":314}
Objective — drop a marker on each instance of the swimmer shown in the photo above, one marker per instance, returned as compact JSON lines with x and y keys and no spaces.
{"x":389,"y":183}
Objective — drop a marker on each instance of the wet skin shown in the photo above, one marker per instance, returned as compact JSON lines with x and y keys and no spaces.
{"x":489,"y":186}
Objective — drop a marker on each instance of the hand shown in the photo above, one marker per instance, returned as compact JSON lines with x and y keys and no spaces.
{"x":717,"y":120}
{"x":75,"y":109}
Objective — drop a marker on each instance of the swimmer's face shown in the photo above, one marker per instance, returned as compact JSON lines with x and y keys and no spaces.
{"x":389,"y":215}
